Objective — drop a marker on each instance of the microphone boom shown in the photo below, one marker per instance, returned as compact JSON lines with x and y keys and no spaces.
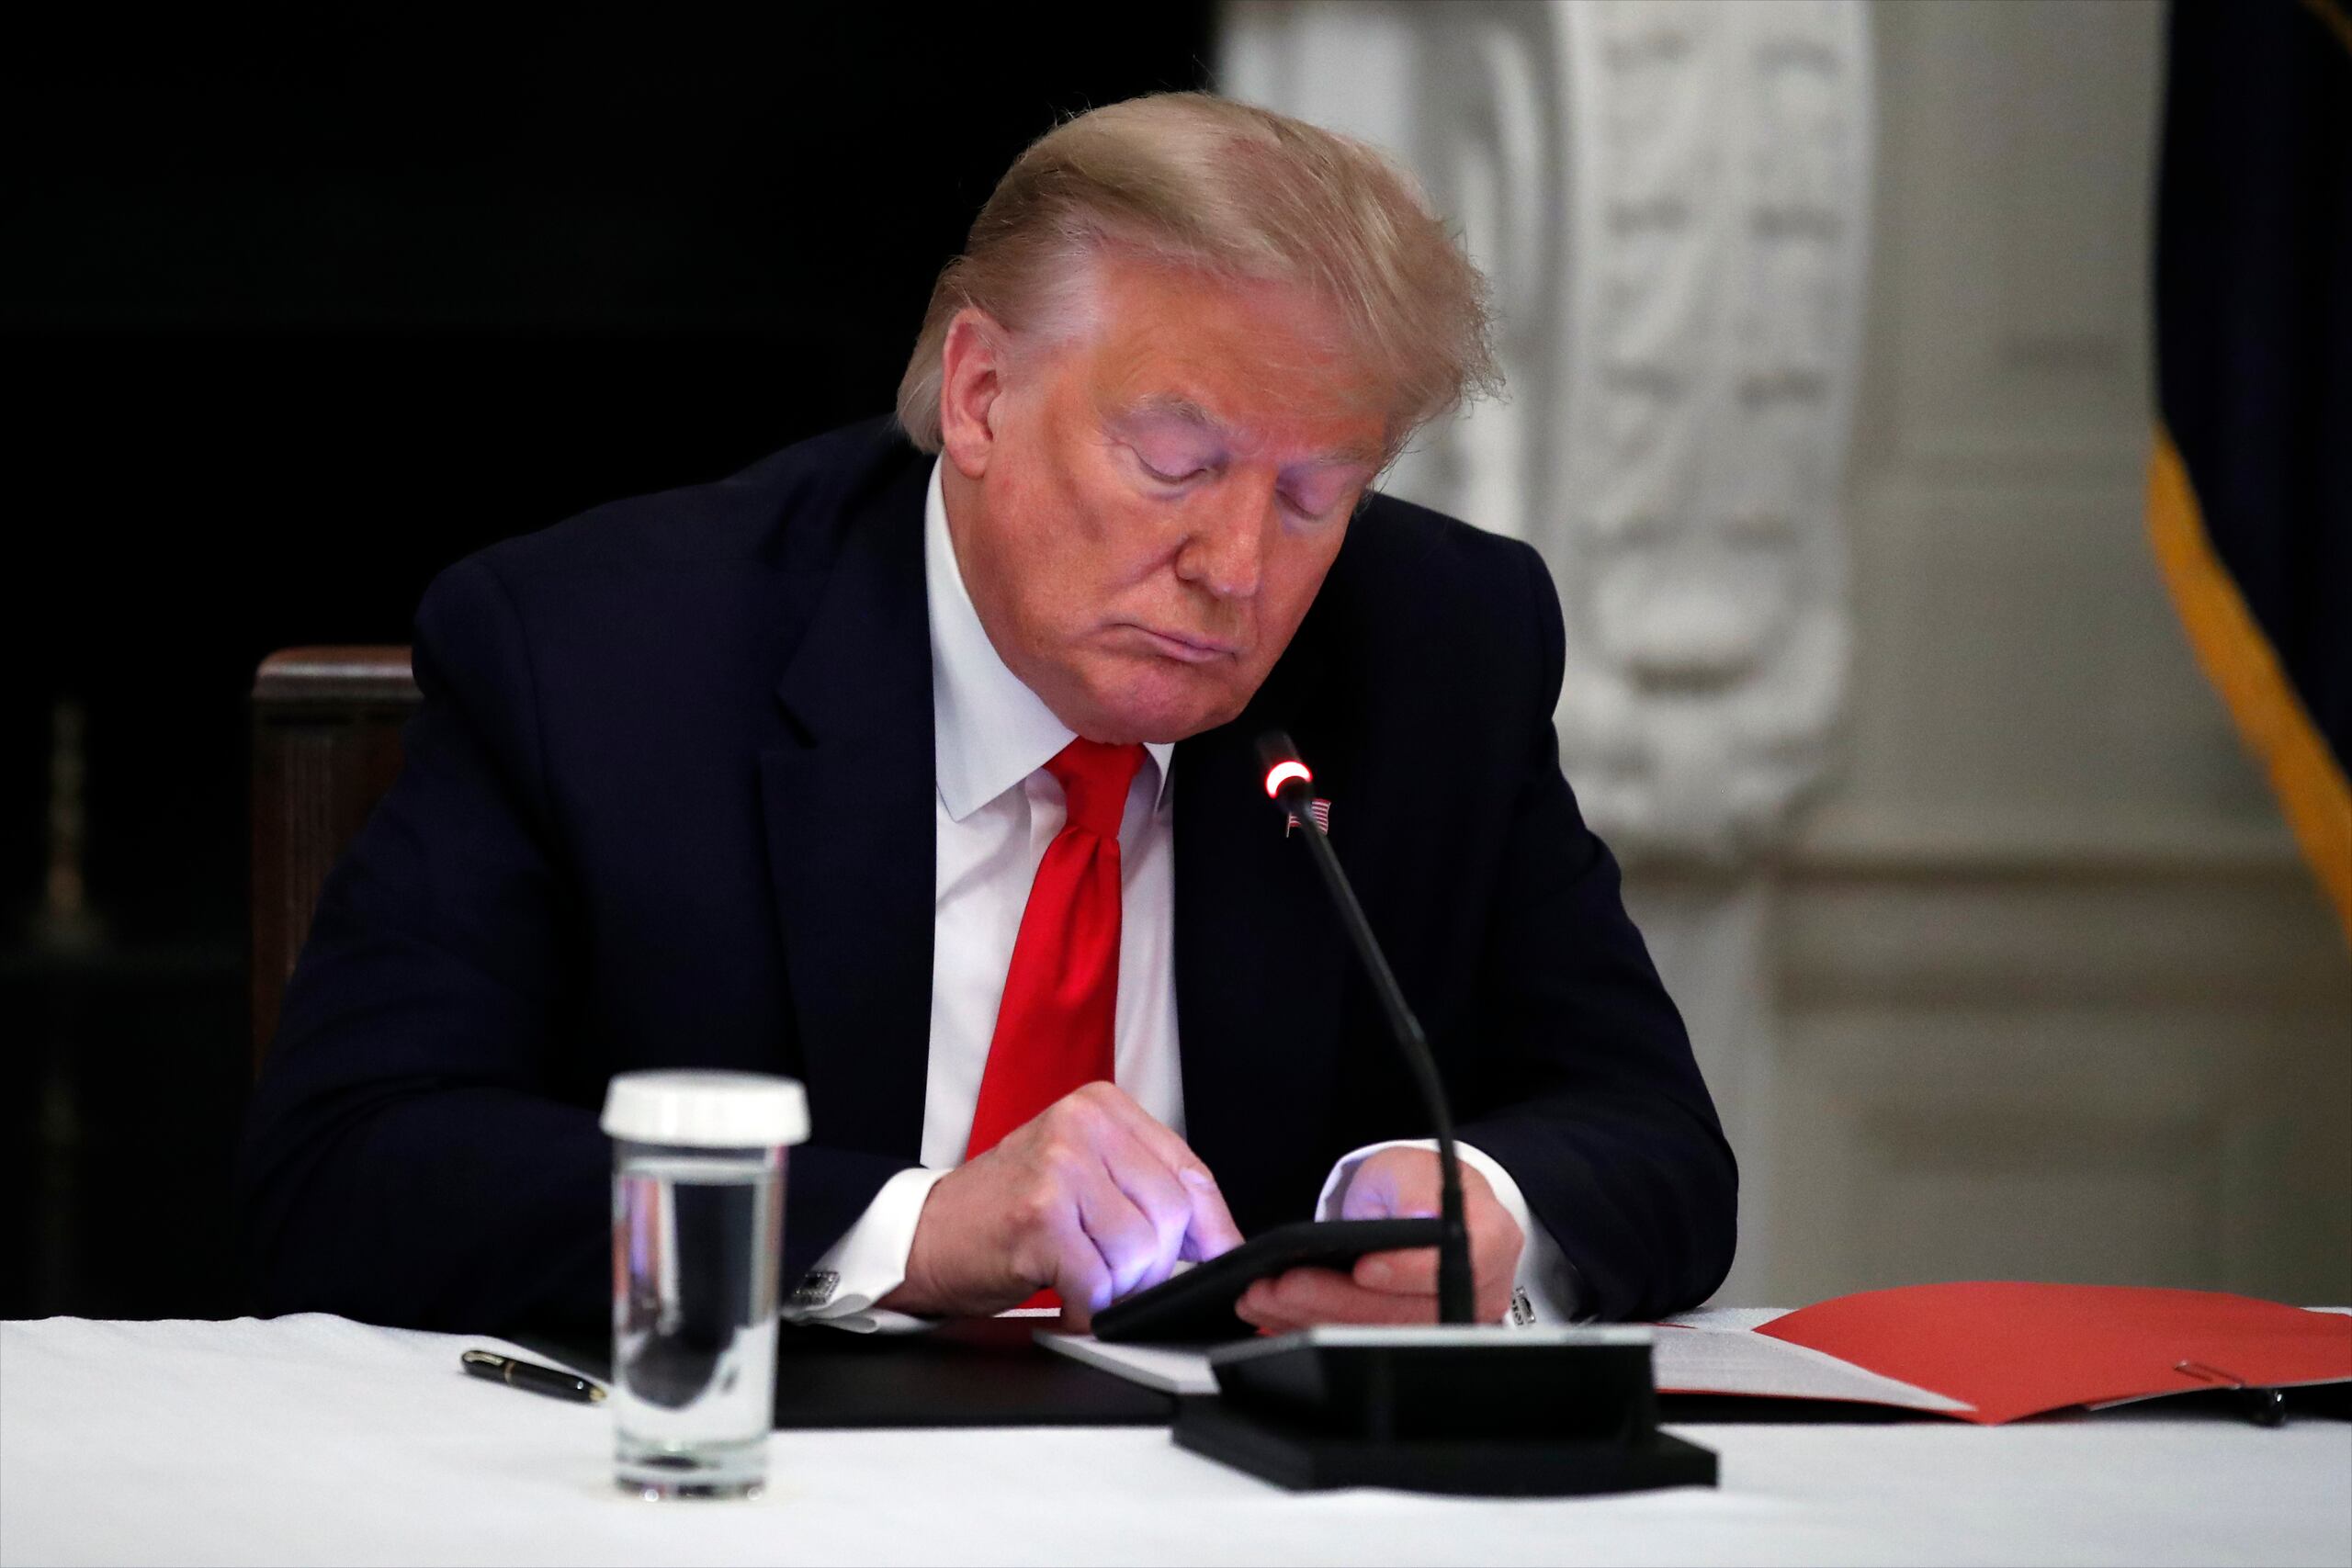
{"x":1290,"y":782}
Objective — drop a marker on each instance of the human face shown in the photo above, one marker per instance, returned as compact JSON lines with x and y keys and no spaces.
{"x":1143,"y":514}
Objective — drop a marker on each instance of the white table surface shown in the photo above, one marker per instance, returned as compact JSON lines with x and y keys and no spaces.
{"x":315,"y":1439}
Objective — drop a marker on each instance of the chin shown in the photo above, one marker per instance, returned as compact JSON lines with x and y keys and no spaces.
{"x":1159,"y":709}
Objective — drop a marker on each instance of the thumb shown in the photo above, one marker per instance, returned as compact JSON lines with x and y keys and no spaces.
{"x":1371,"y":1191}
{"x":1385,"y":1187}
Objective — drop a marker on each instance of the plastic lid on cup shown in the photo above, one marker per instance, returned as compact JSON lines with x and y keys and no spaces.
{"x":706,"y":1109}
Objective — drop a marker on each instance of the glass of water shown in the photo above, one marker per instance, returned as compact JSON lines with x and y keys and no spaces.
{"x":698,"y":1171}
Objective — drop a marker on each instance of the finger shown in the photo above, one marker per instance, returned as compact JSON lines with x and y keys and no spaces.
{"x":1268,"y":1325}
{"x":1275,"y":1324}
{"x":1414,"y":1273}
{"x":1412,"y":1270}
{"x":1078,"y":1273}
{"x":1157,"y":1191}
{"x":1255,"y":1308}
{"x":1211,"y":1231}
{"x":1122,"y":1235}
{"x":1072,"y":1142}
{"x":1325,"y":1295}
{"x":1405,"y":1270}
{"x":1250,"y":1305}
{"x":1053,"y":1251}
{"x":1415,"y":1268}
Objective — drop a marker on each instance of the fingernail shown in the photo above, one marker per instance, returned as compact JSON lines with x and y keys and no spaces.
{"x":1192,"y":1176}
{"x":1378,"y":1274}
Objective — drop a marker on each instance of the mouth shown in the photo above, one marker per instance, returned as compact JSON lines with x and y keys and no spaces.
{"x":1187,"y":649}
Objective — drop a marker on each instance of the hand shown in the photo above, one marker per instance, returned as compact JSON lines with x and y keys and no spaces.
{"x":1090,"y":1196}
{"x":1400,"y":1286}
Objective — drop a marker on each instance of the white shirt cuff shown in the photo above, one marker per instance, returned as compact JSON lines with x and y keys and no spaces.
{"x":868,"y":1263}
{"x":1543,"y":1290}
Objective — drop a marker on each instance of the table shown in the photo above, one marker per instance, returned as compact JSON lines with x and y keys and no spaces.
{"x":316,"y":1439}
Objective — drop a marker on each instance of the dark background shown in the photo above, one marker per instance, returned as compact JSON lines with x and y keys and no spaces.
{"x":294,"y":320}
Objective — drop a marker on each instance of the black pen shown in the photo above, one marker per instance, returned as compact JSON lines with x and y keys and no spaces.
{"x":530,"y":1375}
{"x":2262,"y":1406}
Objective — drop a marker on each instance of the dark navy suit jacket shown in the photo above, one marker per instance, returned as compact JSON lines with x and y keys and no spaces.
{"x":669,"y":803}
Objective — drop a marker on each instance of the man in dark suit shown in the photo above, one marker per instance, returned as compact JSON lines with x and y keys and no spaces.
{"x":931,"y":783}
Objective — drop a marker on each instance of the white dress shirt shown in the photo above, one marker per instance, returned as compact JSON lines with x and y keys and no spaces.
{"x":997,"y":808}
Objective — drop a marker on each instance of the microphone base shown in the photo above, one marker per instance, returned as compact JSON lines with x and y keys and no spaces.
{"x":1479,"y":1411}
{"x":1304,"y":1461}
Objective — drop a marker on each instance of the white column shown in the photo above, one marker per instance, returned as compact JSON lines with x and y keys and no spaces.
{"x":1671,"y":202}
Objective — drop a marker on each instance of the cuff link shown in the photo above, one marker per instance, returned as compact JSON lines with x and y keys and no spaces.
{"x":815,"y":1289}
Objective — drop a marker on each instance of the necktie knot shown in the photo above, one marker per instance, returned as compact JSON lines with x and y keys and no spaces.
{"x":1095,"y":779}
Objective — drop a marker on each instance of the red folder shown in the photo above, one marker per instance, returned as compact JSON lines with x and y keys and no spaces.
{"x":2010,"y":1349}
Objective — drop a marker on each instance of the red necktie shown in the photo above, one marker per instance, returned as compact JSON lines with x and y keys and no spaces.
{"x":1061,"y":995}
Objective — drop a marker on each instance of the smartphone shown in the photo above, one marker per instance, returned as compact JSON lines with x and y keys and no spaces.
{"x":1197,"y":1305}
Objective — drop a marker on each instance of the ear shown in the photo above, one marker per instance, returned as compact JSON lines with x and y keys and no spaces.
{"x":971,"y":381}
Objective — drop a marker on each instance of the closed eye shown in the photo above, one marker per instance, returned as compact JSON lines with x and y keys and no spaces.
{"x":1304,"y":509}
{"x":1185,"y":477}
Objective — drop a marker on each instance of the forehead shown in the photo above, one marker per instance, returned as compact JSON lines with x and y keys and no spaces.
{"x":1255,"y":366}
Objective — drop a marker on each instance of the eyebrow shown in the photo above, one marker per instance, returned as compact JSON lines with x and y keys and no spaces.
{"x":1169,"y":405}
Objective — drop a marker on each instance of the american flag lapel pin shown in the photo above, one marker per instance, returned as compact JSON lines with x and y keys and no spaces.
{"x":1322,"y":810}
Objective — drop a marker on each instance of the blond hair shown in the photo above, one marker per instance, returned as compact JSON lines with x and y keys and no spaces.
{"x":1200,"y":182}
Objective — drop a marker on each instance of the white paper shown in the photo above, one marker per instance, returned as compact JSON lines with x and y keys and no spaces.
{"x":1736,"y":1360}
{"x":1723,"y":1318}
{"x":1170,"y":1369}
{"x":1718,"y":1356}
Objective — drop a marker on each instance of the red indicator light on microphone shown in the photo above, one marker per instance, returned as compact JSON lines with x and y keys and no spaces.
{"x":1282,"y":774}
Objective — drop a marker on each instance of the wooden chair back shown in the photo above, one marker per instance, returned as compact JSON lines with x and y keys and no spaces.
{"x":326,"y":745}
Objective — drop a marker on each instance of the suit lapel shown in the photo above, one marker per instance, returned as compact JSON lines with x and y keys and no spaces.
{"x":848,"y":797}
{"x":1260,"y":962}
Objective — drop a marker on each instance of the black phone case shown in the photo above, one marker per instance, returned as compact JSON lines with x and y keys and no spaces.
{"x":1197,"y":1305}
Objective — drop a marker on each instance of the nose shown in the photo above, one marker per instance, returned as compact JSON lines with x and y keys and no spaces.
{"x":1224,"y":544}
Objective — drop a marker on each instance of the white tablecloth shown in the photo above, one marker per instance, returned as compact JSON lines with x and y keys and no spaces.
{"x":315,"y":1439}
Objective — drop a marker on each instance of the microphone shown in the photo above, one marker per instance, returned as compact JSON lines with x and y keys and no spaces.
{"x":1288,"y":783}
{"x":1496,"y":1413}
{"x":1530,"y":1412}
